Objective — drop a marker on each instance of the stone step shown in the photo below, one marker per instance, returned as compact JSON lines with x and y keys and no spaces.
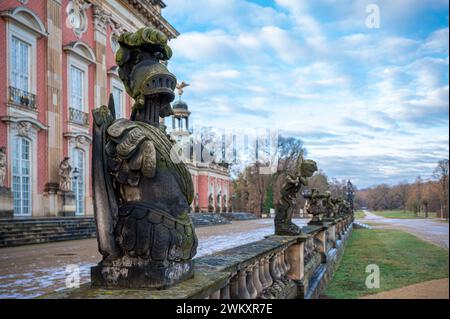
{"x":15,"y":232}
{"x":37,"y":240}
{"x":18,"y":234}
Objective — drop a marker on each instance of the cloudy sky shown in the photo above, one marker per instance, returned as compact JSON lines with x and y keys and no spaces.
{"x":370,"y":104}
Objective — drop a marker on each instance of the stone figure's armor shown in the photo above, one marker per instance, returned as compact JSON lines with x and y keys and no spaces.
{"x":142,"y":192}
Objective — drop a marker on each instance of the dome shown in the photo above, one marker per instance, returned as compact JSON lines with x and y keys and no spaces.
{"x":180,"y":105}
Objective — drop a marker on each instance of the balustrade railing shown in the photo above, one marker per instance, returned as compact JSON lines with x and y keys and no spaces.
{"x":78,"y":117}
{"x":22,"y":98}
{"x":268,"y":268}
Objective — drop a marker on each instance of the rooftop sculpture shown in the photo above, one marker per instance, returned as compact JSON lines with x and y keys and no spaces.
{"x":141,"y":194}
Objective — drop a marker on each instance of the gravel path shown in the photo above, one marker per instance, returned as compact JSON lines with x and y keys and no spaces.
{"x":34,"y":270}
{"x":433,"y":289}
{"x":433,"y":231}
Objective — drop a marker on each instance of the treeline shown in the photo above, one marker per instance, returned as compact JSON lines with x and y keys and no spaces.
{"x":258,"y":193}
{"x":421,"y":197}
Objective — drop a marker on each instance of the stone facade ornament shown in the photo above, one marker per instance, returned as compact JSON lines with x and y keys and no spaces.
{"x":142,"y":196}
{"x":23,"y":129}
{"x":65,"y":180}
{"x":3,"y":166}
{"x":292,"y":185}
{"x":76,"y":16}
{"x":102,"y":19}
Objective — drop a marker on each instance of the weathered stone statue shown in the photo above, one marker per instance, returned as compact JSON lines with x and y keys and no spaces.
{"x":65,"y":181}
{"x":6,"y":195}
{"x":142,"y":195}
{"x":317,"y":205}
{"x":3,"y":165}
{"x":292,"y":185}
{"x":350,"y":195}
{"x":210,"y":203}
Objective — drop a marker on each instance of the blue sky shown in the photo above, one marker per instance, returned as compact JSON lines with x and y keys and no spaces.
{"x":370,"y":104}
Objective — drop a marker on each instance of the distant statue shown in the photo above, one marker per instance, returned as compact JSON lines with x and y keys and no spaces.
{"x":65,"y":181}
{"x":142,"y":195}
{"x":210,"y":203}
{"x":350,"y":195}
{"x":292,"y":185}
{"x":3,"y":165}
{"x":317,"y":204}
{"x":180,"y":87}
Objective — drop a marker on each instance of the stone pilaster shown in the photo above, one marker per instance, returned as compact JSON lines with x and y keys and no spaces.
{"x":102,"y":20}
{"x":54,"y":100}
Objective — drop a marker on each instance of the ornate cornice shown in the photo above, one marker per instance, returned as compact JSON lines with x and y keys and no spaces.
{"x":102,"y":18}
{"x":146,"y":9}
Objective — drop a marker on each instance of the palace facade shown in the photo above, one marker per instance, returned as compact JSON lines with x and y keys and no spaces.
{"x":56,"y":65}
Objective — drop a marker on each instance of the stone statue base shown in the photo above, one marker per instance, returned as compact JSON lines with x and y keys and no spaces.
{"x":66,"y":203}
{"x":6,"y":203}
{"x":150,"y":275}
{"x":287,"y":229}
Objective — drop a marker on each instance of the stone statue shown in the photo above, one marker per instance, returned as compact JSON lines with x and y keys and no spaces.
{"x":350,"y":195}
{"x":142,"y":194}
{"x":210,"y":203}
{"x":317,"y":204}
{"x":3,"y":166}
{"x":292,"y":185}
{"x":65,"y":181}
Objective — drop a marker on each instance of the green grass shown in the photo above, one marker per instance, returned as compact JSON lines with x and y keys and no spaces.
{"x":403,"y":260}
{"x":359,"y":214}
{"x":402,"y":214}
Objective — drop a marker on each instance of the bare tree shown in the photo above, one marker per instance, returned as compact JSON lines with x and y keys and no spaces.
{"x":441,"y":174}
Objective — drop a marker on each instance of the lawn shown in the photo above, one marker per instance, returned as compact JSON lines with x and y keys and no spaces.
{"x":401,"y":214}
{"x":403,"y":260}
{"x":359,"y":214}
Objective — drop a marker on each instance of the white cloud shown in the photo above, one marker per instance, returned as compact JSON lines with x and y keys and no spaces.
{"x":369,"y":105}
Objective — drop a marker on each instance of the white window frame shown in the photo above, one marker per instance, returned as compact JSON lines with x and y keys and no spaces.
{"x":116,"y":83}
{"x":83,"y":175}
{"x":24,"y":35}
{"x":30,"y":174}
{"x":83,"y":66}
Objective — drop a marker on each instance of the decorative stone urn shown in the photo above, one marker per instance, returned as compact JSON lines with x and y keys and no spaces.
{"x":142,"y":194}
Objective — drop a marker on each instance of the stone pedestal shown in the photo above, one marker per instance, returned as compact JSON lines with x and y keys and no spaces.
{"x":6,"y":203}
{"x":66,"y":201}
{"x":146,"y":274}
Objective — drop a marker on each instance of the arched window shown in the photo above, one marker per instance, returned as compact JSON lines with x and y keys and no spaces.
{"x":21,"y":176}
{"x":78,"y":183}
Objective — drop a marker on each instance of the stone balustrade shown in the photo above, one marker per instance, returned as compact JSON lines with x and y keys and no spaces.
{"x":281,"y":267}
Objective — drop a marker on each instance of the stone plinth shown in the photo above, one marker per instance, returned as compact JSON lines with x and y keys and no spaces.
{"x":6,"y":203}
{"x":66,"y":203}
{"x":149,"y":274}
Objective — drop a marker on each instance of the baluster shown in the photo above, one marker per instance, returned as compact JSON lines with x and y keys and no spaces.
{"x":256,"y":281}
{"x":273,"y":268}
{"x":286,"y":261}
{"x":215,"y":295}
{"x":249,"y":280}
{"x":278,"y":264}
{"x":242,"y":285}
{"x":269,"y":280}
{"x":225,"y":291}
{"x":282,"y":263}
{"x":234,"y":287}
{"x":262,"y":277}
